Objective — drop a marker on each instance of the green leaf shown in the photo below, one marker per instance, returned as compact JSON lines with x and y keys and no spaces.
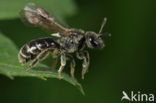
{"x":60,"y":8}
{"x":10,"y":66}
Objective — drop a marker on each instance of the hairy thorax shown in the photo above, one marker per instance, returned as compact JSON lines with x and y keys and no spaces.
{"x":71,"y":43}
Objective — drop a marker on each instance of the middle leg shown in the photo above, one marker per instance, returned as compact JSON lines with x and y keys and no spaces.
{"x":55,"y":54}
{"x":72,"y":65}
{"x":63,"y":63}
{"x":54,"y":63}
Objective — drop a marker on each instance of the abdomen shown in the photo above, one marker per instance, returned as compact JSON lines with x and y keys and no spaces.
{"x":32,"y":49}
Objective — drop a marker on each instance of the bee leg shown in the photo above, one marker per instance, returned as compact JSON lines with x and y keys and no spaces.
{"x":41,"y":56}
{"x":54,"y":63}
{"x":55,"y":54}
{"x":31,"y":65}
{"x":63,"y":63}
{"x":85,"y":56}
{"x":72,"y":65}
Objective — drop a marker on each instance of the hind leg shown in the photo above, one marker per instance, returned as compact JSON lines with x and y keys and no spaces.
{"x":40,"y":57}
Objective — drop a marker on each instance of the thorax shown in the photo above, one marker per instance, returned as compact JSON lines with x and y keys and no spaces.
{"x":71,"y":43}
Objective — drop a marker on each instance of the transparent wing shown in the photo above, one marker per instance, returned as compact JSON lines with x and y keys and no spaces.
{"x":36,"y":16}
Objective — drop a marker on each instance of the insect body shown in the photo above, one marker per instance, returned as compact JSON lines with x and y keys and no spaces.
{"x":37,"y":49}
{"x":70,"y":41}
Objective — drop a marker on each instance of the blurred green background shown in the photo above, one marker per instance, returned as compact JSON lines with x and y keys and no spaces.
{"x":127,"y":63}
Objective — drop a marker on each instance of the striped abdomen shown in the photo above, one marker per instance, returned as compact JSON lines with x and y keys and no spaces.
{"x":32,"y":49}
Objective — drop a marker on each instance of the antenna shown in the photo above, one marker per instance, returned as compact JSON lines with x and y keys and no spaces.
{"x":102,"y":25}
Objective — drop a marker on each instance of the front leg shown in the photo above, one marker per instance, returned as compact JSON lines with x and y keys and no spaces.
{"x":85,"y":56}
{"x":63,"y":63}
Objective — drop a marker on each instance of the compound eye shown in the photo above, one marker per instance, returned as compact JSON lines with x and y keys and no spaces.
{"x":93,"y":41}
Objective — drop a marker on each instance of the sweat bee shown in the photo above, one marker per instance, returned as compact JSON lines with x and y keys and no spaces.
{"x":69,"y":41}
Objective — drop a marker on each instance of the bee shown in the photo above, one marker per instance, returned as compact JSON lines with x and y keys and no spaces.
{"x":69,"y":41}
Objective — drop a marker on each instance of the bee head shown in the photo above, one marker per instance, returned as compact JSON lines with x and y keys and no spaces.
{"x":93,"y":40}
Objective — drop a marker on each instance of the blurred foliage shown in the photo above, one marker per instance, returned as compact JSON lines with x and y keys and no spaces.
{"x":9,"y":9}
{"x":126,"y":63}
